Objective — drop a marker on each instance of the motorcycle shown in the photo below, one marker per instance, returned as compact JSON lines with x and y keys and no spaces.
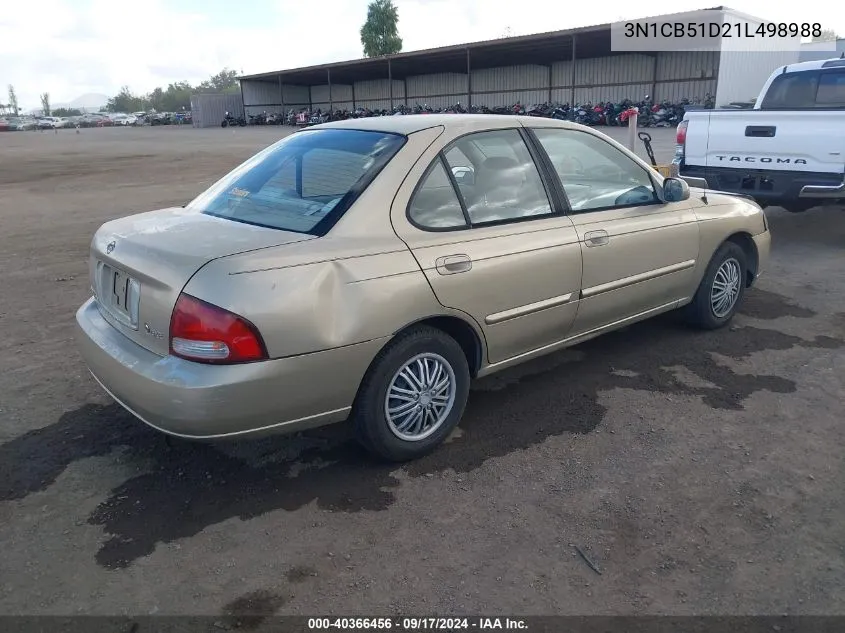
{"x":626,"y":114}
{"x":231,"y":121}
{"x":258,"y":119}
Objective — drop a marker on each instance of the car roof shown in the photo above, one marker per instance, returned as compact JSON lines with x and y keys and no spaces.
{"x":812,"y":65}
{"x":410,"y":123}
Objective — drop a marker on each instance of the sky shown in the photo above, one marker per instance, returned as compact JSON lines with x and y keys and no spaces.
{"x":72,"y":47}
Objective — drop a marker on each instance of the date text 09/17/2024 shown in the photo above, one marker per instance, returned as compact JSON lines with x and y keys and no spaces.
{"x":418,"y":624}
{"x":678,"y":30}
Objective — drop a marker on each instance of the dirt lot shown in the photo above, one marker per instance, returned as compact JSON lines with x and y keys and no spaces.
{"x":700,"y":472}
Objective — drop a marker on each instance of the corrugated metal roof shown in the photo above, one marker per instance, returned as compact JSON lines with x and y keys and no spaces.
{"x":529,"y":44}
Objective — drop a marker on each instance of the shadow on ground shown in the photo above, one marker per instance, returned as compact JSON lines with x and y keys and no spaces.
{"x":193,"y":485}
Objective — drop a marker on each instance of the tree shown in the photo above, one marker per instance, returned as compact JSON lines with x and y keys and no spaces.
{"x":13,"y":100}
{"x":66,"y":112}
{"x":45,"y":104}
{"x":224,"y":81}
{"x":126,"y":101}
{"x":827,"y":35}
{"x":380,"y":33}
{"x":176,"y":96}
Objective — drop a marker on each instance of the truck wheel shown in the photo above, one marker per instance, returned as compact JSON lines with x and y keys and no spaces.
{"x":721,"y":290}
{"x":412,"y":396}
{"x":798,"y":206}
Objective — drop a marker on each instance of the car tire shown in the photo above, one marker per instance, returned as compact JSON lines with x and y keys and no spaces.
{"x":397,"y":439}
{"x":727,"y":271}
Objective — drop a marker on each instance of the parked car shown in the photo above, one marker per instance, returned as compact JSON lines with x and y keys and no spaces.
{"x":787,"y":151}
{"x":124,"y":119}
{"x":4,"y":124}
{"x":161,"y":118}
{"x":45,"y":122}
{"x":26,"y":123}
{"x":62,"y":122}
{"x":105,"y":122}
{"x":344,"y":273}
{"x":90,"y":120}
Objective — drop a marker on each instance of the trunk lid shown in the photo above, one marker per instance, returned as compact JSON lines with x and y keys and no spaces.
{"x":140,"y":264}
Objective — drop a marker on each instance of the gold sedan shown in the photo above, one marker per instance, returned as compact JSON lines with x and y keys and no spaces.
{"x":369,"y":269}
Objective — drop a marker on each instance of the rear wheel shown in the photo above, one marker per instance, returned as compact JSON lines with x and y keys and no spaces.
{"x":413,"y":395}
{"x":799,"y":206}
{"x":224,"y":123}
{"x":721,"y":289}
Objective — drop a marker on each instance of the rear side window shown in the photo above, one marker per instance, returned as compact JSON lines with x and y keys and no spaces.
{"x":435,"y":204}
{"x":303,"y":183}
{"x":807,"y":89}
{"x":831,"y":92}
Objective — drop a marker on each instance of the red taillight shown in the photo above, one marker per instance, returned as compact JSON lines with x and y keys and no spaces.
{"x":681,"y":133}
{"x":205,"y":333}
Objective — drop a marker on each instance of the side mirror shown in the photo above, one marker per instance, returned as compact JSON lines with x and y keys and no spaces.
{"x":464,"y":175}
{"x":675,"y":190}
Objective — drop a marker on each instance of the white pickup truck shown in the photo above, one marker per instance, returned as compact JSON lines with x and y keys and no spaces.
{"x":788,"y":151}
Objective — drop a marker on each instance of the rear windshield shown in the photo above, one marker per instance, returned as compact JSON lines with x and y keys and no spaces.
{"x":806,"y":89}
{"x":304,"y":182}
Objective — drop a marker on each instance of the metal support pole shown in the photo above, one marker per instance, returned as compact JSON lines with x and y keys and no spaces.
{"x":281,"y":96}
{"x":572,"y":75}
{"x":632,"y":132}
{"x":469,"y":82}
{"x":654,"y":77}
{"x":550,"y":83}
{"x":243,"y":102}
{"x":405,"y":88}
{"x":329,"y":77}
{"x":390,"y":82}
{"x":354,"y":107}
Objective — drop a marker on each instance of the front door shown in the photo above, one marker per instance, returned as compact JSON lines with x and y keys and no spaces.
{"x":477,"y":217}
{"x":639,"y":253}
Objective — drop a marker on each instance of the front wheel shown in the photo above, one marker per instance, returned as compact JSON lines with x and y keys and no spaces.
{"x":721,"y":290}
{"x":413,"y":395}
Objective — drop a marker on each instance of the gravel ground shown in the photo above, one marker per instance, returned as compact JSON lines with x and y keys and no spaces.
{"x":701,"y":473}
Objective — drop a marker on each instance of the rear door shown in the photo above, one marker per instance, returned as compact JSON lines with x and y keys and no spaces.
{"x":479,"y":220}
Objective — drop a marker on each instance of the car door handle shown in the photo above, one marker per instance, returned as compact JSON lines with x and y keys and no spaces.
{"x":453,"y":264}
{"x":762,"y":131}
{"x":596,"y":238}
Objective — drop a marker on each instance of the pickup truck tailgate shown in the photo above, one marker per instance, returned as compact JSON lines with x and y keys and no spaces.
{"x":776,"y":140}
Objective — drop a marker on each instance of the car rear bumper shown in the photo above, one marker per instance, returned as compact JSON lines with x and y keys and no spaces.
{"x":769,"y":186}
{"x":198,"y":401}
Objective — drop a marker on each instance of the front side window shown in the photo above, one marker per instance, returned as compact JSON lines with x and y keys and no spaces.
{"x":303,"y":182}
{"x":594,"y":174}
